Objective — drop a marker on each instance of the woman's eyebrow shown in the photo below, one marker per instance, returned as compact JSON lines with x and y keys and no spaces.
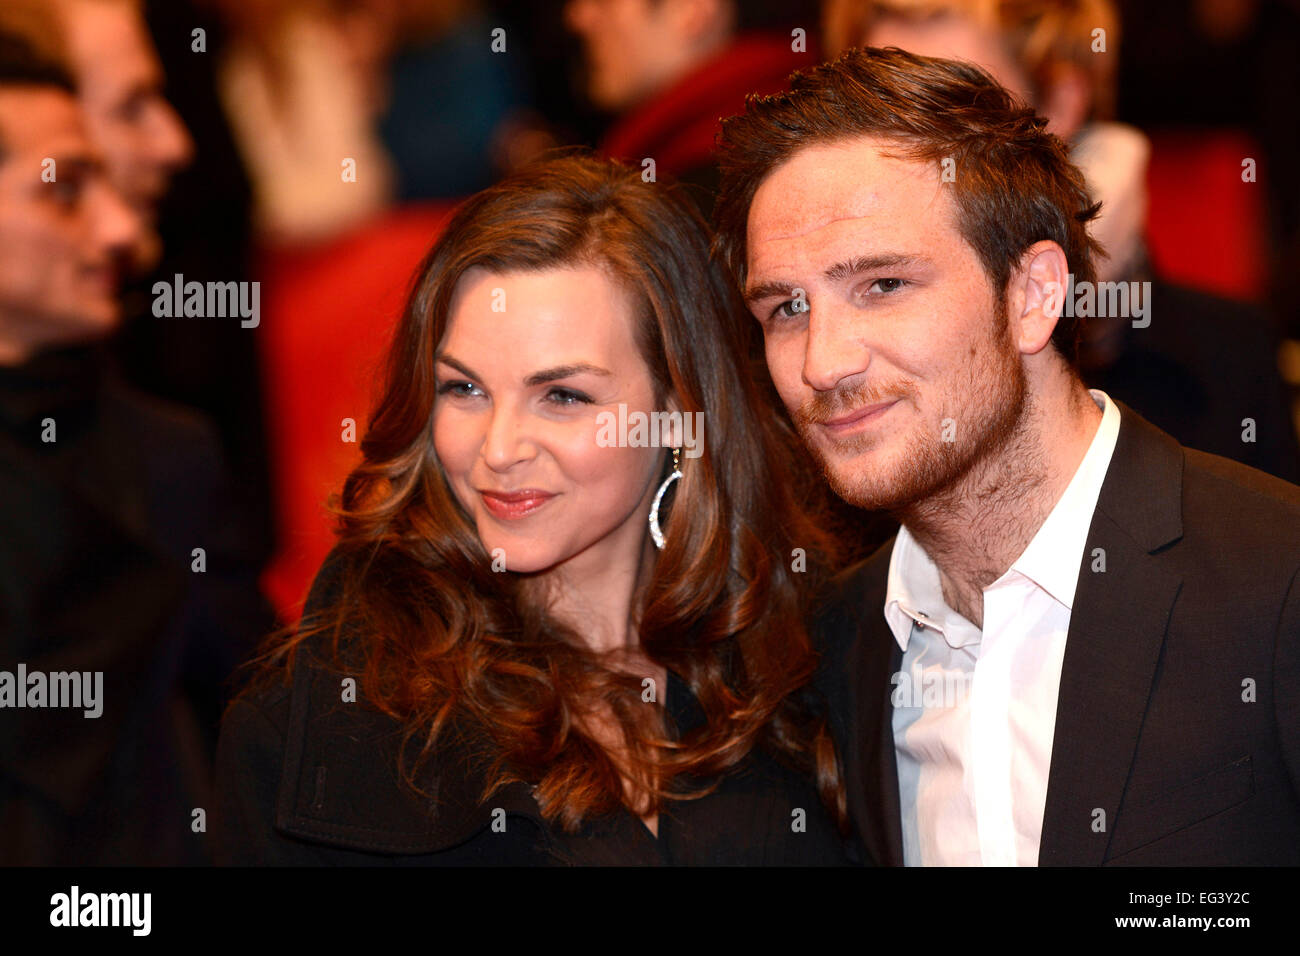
{"x":564,"y":371}
{"x":458,"y":366}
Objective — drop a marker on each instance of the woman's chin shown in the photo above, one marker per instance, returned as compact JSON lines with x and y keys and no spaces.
{"x":521,"y":555}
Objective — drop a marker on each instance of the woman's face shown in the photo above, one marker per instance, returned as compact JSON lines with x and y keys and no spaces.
{"x":528,"y":363}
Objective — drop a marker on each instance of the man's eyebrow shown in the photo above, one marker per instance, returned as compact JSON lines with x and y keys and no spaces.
{"x":760,"y":291}
{"x":890,"y":260}
{"x":536,"y":378}
{"x":79,"y":163}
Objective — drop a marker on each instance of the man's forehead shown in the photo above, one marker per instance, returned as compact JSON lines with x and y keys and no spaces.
{"x":41,"y":119}
{"x":828,"y":184}
{"x":836,"y":205}
{"x":108,"y":44}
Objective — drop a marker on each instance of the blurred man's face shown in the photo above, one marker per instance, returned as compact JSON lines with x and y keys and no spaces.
{"x":881,"y":328}
{"x":633,"y":48}
{"x":953,"y":37}
{"x":63,"y":241}
{"x":142,"y":139}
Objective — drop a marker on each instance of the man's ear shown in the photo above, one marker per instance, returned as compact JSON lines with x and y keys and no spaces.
{"x":1036,"y":295}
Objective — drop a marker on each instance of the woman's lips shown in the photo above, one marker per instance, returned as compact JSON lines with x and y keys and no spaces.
{"x":857,"y":419}
{"x":510,"y":505}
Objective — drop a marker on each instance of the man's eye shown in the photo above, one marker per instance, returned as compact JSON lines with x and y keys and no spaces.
{"x":893,"y":285}
{"x":567,"y":396}
{"x":66,"y":191}
{"x":132,"y":108}
{"x":790,"y":308}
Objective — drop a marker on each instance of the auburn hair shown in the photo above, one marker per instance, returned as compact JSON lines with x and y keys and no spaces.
{"x":1013,"y":182}
{"x":446,"y":643}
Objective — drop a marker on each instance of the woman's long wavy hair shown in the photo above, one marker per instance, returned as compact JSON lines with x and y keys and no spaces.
{"x":447,"y":643}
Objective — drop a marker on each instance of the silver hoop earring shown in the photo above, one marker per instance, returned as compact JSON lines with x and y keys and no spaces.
{"x":655,"y":532}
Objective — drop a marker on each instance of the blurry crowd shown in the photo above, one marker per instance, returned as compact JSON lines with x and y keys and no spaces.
{"x":165,"y":479}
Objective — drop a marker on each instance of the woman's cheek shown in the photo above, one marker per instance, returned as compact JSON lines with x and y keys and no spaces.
{"x":455,"y":443}
{"x":615,"y":476}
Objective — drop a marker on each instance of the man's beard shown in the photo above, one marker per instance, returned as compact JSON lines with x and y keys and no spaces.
{"x":992,"y":402}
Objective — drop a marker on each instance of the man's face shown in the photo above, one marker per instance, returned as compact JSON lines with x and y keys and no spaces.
{"x":63,"y":240}
{"x":632,"y":48}
{"x":143,"y":140}
{"x":901,"y":373}
{"x":953,"y":37}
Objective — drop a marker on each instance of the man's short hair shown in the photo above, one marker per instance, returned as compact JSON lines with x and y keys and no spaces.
{"x":22,"y":64}
{"x":1013,"y":182}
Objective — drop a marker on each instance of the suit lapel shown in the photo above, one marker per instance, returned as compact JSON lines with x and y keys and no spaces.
{"x":1117,"y":630}
{"x":862,"y":653}
{"x":878,"y":769}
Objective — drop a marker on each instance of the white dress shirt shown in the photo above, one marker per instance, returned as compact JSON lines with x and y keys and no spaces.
{"x":974,"y":713}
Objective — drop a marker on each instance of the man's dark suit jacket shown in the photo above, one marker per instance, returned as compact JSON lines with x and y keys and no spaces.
{"x":1178,"y":718}
{"x":97,"y":530}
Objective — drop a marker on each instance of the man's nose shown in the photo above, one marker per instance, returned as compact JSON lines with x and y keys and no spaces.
{"x":173,"y":146}
{"x":835,"y":349}
{"x":117,"y":226}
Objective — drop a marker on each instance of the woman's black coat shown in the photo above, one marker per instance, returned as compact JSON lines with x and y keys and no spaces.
{"x":305,"y":778}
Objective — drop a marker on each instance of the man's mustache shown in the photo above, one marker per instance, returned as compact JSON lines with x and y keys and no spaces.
{"x":824,"y":406}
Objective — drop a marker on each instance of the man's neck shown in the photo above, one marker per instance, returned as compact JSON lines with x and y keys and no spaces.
{"x":974,"y":530}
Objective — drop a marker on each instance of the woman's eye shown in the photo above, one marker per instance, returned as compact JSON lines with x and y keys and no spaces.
{"x":567,"y":396}
{"x":463,"y":389}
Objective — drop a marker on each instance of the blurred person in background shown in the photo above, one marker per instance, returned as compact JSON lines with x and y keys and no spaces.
{"x":120,"y":87}
{"x":1193,"y":68}
{"x":1204,"y":364}
{"x":194,"y":207}
{"x":421,"y":96}
{"x":105,"y":495}
{"x":670,"y":69}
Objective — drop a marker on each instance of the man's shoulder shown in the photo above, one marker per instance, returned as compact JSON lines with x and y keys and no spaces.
{"x":1156,"y":488}
{"x":1232,"y":501}
{"x":1251,"y":488}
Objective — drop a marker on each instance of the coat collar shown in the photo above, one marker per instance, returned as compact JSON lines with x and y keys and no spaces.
{"x":863,"y":689}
